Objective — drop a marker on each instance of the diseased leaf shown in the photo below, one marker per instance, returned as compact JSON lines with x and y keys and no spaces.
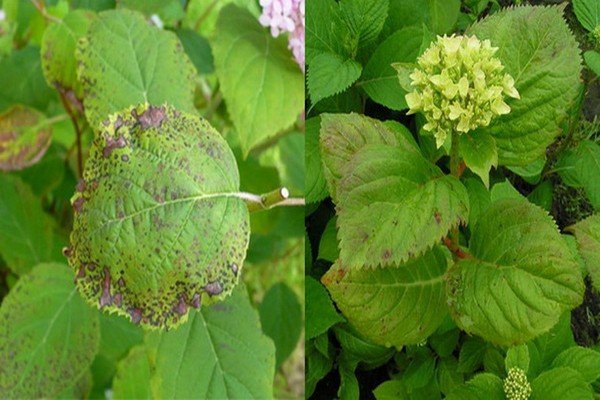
{"x":320,"y":313}
{"x":394,"y":205}
{"x":587,"y":233}
{"x":124,"y":61}
{"x":538,"y":50}
{"x":132,"y":380}
{"x":48,"y":335}
{"x":281,"y":319}
{"x":220,"y":353}
{"x":560,"y":384}
{"x":379,"y":79}
{"x":24,"y":138}
{"x":342,"y":135}
{"x":58,"y":50}
{"x":262,"y":87}
{"x":316,"y":187}
{"x":158,"y":227}
{"x":330,"y":74}
{"x":583,"y":360}
{"x":519,"y":278}
{"x":392,"y":306}
{"x":588,"y":13}
{"x":26,"y":232}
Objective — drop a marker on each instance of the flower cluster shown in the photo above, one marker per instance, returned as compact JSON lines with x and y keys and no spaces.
{"x":459,"y":86}
{"x":286,"y":16}
{"x":516,"y":386}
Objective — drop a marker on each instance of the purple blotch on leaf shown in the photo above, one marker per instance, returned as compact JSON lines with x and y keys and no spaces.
{"x":213,"y":288}
{"x":152,"y":117}
{"x":106,"y":299}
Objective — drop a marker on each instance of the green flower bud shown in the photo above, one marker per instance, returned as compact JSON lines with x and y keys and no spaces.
{"x":516,"y":386}
{"x":459,"y":86}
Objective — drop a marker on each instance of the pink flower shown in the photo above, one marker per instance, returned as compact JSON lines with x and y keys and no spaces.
{"x":283,"y":16}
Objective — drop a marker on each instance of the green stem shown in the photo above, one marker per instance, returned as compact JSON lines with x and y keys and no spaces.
{"x":454,"y":166}
{"x":275,"y":198}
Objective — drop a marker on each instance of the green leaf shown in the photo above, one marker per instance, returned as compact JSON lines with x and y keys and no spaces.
{"x":22,"y":81}
{"x":316,"y":187}
{"x":124,"y":61}
{"x":583,"y":360}
{"x":542,"y":195}
{"x":448,"y":375}
{"x":325,"y":31}
{"x":348,"y":382}
{"x":545,"y":348}
{"x":421,"y":369}
{"x":317,"y":366}
{"x":281,"y":319}
{"x":118,"y":336}
{"x":379,"y":79}
{"x":560,"y":384}
{"x":581,"y":166}
{"x":505,"y":190}
{"x":237,"y":359}
{"x":443,"y":14}
{"x":520,"y":278}
{"x":342,"y":135}
{"x":392,"y":306}
{"x":480,"y":154}
{"x":532,"y":172}
{"x":439,"y":16}
{"x":261,"y":84}
{"x":58,"y":50}
{"x":588,"y":13}
{"x":364,"y":18}
{"x":482,"y":386}
{"x":26,"y":232}
{"x":384,"y":188}
{"x":158,"y":225}
{"x":471,"y":354}
{"x":592,"y":59}
{"x":48,"y":335}
{"x":493,"y":361}
{"x":357,"y":347}
{"x":587,"y":233}
{"x":538,"y":50}
{"x":169,"y":11}
{"x":330,"y":74}
{"x":444,"y":340}
{"x":329,"y":245}
{"x":24,"y":137}
{"x":202,"y":15}
{"x":517,"y":356}
{"x":479,"y":198}
{"x":320,"y":313}
{"x":132,"y":380}
{"x":198,"y":50}
{"x":391,"y":390}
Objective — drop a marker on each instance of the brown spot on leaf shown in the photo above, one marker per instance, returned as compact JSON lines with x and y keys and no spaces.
{"x":234,"y":268}
{"x":81,"y":272}
{"x":196,"y":300}
{"x":78,"y":204}
{"x":135,"y":314}
{"x":387,"y":254}
{"x":213,"y":288}
{"x":106,"y":299}
{"x":125,"y":157}
{"x":438,"y":217}
{"x":181,"y":307}
{"x":91,"y":266}
{"x":117,"y":299}
{"x":80,"y":186}
{"x":112,"y":144}
{"x":67,"y":251}
{"x":152,"y":117}
{"x":121,"y":282}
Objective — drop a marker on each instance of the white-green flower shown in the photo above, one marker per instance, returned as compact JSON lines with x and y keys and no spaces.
{"x":516,"y":386}
{"x":459,"y":86}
